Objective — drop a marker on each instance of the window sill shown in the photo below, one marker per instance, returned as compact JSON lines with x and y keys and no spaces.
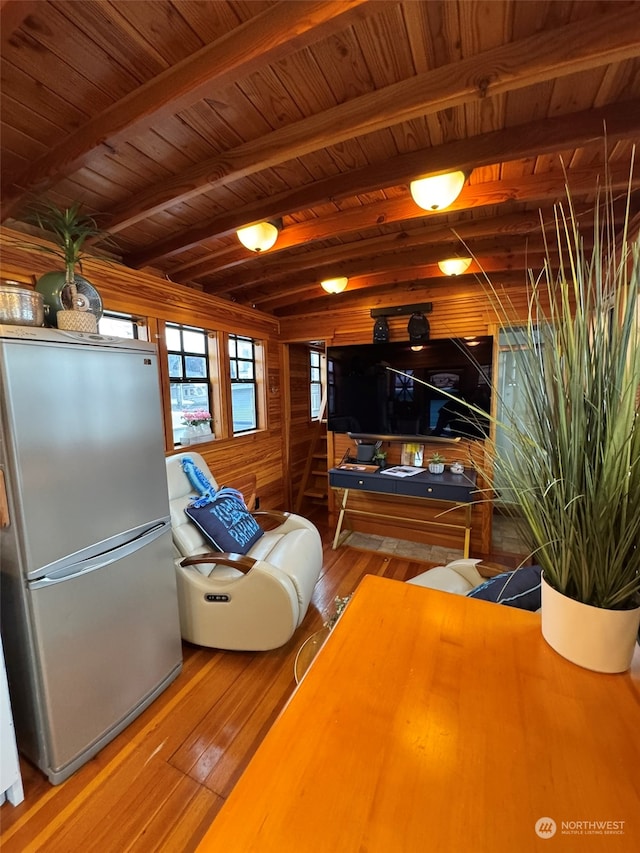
{"x":197,"y":439}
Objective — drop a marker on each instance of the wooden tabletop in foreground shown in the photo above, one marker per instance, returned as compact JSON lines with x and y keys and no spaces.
{"x":433,"y":722}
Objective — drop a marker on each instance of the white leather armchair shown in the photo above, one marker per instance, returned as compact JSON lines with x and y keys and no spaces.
{"x":513,"y":587}
{"x":246,"y":602}
{"x":459,"y":576}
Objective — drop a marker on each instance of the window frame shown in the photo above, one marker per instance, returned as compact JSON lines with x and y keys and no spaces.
{"x":138,"y":325}
{"x":185,"y":380}
{"x":257,"y":380}
{"x":319,"y":383}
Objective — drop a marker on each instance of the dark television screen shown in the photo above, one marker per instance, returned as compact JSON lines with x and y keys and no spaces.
{"x":366,"y":397}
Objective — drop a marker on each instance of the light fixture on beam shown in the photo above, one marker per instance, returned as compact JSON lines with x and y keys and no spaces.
{"x":454,"y":266}
{"x":261,"y":236}
{"x":335,"y":285}
{"x":380,"y":330}
{"x":437,"y":192}
{"x":418,"y":329}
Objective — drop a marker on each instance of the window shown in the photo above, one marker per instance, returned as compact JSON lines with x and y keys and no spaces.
{"x":188,"y":355}
{"x":315,"y":383}
{"x":244,"y":389}
{"x":403,"y":389}
{"x":118,"y":326}
{"x":514,"y":348}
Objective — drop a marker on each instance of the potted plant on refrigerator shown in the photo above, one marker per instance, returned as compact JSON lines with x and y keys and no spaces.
{"x":73,"y":302}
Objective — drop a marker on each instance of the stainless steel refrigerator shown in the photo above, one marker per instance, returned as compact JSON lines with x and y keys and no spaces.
{"x":89,"y":609}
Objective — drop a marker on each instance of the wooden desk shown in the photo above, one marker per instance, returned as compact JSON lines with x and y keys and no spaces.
{"x":429,"y":721}
{"x":453,"y":490}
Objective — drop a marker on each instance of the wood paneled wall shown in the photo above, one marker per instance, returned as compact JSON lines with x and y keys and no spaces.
{"x":277,"y":455}
{"x":460,"y":308}
{"x":135,"y":291}
{"x":156,"y":300}
{"x":300,"y":422}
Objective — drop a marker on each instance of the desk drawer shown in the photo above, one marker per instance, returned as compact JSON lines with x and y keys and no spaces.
{"x":437,"y":491}
{"x":364,"y":482}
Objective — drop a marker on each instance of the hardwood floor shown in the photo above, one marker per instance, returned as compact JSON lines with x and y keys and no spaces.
{"x":160,"y":783}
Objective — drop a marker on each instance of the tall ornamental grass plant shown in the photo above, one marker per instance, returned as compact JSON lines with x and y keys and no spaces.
{"x":574,"y":470}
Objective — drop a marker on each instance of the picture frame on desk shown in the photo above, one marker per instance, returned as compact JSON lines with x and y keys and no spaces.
{"x":412,"y":454}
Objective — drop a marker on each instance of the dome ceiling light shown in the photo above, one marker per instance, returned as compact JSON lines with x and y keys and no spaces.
{"x":335,"y":285}
{"x":454,"y":266}
{"x":438,"y":191}
{"x":259,"y":237}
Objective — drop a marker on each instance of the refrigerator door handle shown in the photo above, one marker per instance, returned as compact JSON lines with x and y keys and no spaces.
{"x":91,"y":564}
{"x":5,"y":518}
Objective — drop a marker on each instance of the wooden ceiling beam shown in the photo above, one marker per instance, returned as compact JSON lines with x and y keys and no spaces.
{"x":427,"y":255}
{"x":388,"y":292}
{"x":448,"y":238}
{"x":401,"y":269}
{"x":397,"y":241}
{"x":547,"y":55}
{"x":274,"y":33}
{"x":545,"y":187}
{"x":562,"y":133}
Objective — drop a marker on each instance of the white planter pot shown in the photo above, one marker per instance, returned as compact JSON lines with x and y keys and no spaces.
{"x":436,"y":467}
{"x":594,"y":638}
{"x":196,"y":434}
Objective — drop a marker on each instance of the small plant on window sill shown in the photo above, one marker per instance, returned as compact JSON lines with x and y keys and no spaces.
{"x":196,"y":418}
{"x":340,"y":603}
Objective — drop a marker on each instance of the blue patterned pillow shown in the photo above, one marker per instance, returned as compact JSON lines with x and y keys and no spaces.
{"x":519,"y":588}
{"x":221,"y":516}
{"x":226,"y":523}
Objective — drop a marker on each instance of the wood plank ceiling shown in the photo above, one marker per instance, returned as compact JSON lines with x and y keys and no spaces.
{"x":178,"y":121}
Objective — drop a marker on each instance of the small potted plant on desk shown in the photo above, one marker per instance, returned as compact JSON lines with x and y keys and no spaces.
{"x":436,"y":463}
{"x":380,"y":458}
